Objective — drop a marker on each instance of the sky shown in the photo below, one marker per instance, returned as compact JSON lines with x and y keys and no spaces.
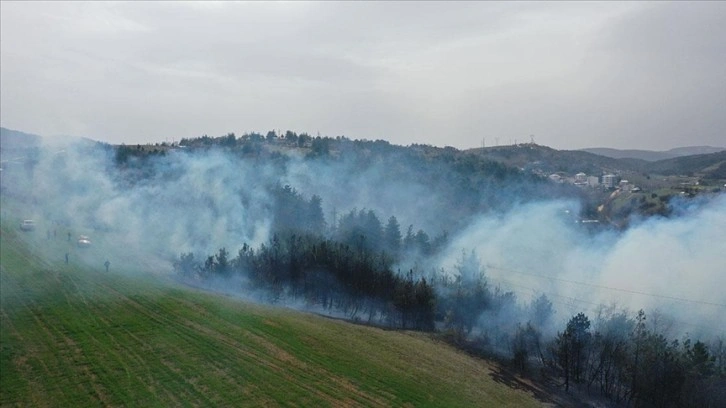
{"x":568,"y":75}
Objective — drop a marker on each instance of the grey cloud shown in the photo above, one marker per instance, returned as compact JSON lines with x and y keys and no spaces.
{"x":646,"y":75}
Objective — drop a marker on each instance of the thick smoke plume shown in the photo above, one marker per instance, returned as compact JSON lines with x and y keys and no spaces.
{"x":205,"y":200}
{"x":675,"y":266}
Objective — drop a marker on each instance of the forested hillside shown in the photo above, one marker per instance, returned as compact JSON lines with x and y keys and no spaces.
{"x":352,"y":268}
{"x":650,"y":155}
{"x":492,"y":256}
{"x":710,"y":166}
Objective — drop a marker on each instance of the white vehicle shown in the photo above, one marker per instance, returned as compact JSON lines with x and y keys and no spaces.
{"x":27,"y":225}
{"x":84,"y":241}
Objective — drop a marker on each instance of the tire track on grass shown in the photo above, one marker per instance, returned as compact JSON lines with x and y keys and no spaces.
{"x":181,"y":331}
{"x":272,"y":357}
{"x":332,"y":384}
{"x":152,"y":381}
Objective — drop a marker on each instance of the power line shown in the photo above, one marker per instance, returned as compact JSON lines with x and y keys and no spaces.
{"x":593,"y":306}
{"x":702,"y":302}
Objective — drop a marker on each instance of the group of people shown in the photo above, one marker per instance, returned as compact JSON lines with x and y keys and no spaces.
{"x":54,"y":234}
{"x":107,"y":264}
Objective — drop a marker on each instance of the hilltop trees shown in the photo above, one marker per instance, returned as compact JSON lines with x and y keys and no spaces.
{"x":461,"y":179}
{"x":320,"y":147}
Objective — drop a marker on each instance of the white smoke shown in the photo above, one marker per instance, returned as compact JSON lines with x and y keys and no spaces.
{"x":675,"y":266}
{"x":207,"y":200}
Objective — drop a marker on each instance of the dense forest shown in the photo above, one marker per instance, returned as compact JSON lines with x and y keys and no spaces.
{"x":350,"y":266}
{"x":469,"y":183}
{"x":349,"y":275}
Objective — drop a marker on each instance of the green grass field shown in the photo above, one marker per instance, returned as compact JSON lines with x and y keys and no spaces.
{"x":76,"y":336}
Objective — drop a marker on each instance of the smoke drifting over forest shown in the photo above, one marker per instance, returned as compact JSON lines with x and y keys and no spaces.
{"x":676,"y":266}
{"x":158,"y":206}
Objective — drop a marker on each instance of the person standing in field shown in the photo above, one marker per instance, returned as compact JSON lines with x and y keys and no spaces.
{"x":107,"y":264}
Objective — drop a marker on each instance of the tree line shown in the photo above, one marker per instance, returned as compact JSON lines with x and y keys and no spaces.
{"x":624,"y":360}
{"x":325,"y":274}
{"x":617,"y":356}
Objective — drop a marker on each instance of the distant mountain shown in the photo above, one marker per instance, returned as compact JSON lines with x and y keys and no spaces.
{"x":15,"y":139}
{"x":549,"y":160}
{"x":650,"y":155}
{"x":694,"y":150}
{"x":711,"y":166}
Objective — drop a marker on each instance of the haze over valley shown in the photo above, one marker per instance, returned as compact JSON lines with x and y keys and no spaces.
{"x":477,"y":245}
{"x":363,"y":204}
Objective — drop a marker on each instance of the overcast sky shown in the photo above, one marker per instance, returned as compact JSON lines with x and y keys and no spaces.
{"x":626,"y":75}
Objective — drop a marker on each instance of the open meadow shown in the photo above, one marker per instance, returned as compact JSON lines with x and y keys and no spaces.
{"x":78,"y":336}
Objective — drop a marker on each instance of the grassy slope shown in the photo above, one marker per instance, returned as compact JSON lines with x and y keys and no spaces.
{"x":70,"y":336}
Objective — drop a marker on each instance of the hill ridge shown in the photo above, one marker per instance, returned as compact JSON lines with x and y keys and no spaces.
{"x":653,"y":155}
